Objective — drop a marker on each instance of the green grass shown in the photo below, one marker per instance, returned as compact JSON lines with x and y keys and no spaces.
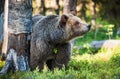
{"x":85,"y":63}
{"x":1,"y":64}
{"x":90,"y":36}
{"x":102,"y":65}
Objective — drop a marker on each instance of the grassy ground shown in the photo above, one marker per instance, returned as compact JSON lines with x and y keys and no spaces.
{"x":103,"y":65}
{"x":85,"y":63}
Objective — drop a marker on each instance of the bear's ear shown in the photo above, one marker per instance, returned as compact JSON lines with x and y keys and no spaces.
{"x":63,"y":20}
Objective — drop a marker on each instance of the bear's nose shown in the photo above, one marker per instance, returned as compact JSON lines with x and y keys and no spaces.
{"x":89,"y":26}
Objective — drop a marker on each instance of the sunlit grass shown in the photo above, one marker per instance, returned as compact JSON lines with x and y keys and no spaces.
{"x":102,"y":65}
{"x":101,"y":56}
{"x":1,"y":64}
{"x":86,"y":63}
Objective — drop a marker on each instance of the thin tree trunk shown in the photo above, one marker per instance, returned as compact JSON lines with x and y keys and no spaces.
{"x":58,"y":7}
{"x":93,"y":21}
{"x":1,"y":22}
{"x":94,"y":14}
{"x":5,"y":32}
{"x":70,"y":7}
{"x":43,"y":7}
{"x":84,"y":8}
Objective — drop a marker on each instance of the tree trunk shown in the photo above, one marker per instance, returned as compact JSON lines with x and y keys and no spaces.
{"x":93,"y":21}
{"x":5,"y":28}
{"x":1,"y":23}
{"x":1,"y":31}
{"x":19,"y":24}
{"x":2,"y":6}
{"x":43,"y":7}
{"x":58,"y":7}
{"x":70,"y":7}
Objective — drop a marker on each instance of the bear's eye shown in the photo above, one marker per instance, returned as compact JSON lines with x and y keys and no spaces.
{"x":76,"y":23}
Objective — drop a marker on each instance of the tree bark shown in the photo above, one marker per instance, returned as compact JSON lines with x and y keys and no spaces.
{"x":70,"y":7}
{"x":1,"y":23}
{"x":43,"y":7}
{"x":2,"y":6}
{"x":1,"y":31}
{"x":93,"y":21}
{"x":5,"y":28}
{"x":19,"y":24}
{"x":58,"y":7}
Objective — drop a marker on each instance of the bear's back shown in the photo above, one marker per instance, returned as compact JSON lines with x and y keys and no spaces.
{"x":45,"y":24}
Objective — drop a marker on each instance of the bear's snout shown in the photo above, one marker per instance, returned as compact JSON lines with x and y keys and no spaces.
{"x":89,"y":27}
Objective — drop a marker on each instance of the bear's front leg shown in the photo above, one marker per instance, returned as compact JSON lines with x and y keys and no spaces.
{"x":38,"y":54}
{"x":62,"y":56}
{"x":35,"y":62}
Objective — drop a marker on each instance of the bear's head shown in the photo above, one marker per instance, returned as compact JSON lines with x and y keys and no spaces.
{"x":73,"y":26}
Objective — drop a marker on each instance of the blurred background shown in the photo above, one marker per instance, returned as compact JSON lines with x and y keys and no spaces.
{"x":103,"y":14}
{"x":96,"y":55}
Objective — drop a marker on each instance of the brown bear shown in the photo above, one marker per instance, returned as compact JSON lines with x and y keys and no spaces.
{"x":50,"y":39}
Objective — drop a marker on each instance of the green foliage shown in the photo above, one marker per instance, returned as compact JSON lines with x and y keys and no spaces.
{"x":86,"y":66}
{"x":85,"y":63}
{"x":109,"y":30}
{"x":89,"y":37}
{"x":1,"y":64}
{"x":55,"y":50}
{"x":101,"y":21}
{"x":84,"y":49}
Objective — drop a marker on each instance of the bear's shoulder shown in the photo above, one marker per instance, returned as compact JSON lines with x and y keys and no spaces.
{"x":48,"y":21}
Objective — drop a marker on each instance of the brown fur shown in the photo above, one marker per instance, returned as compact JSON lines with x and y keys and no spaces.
{"x":54,"y":32}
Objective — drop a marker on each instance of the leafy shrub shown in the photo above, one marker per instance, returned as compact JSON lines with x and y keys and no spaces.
{"x":85,"y":63}
{"x":86,"y":66}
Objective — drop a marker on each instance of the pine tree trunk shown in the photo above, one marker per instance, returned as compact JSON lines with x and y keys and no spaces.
{"x":1,"y":23}
{"x":19,"y":25}
{"x":1,"y":31}
{"x":43,"y":7}
{"x":70,"y":7}
{"x":5,"y":28}
{"x":93,"y":21}
{"x":58,"y":7}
